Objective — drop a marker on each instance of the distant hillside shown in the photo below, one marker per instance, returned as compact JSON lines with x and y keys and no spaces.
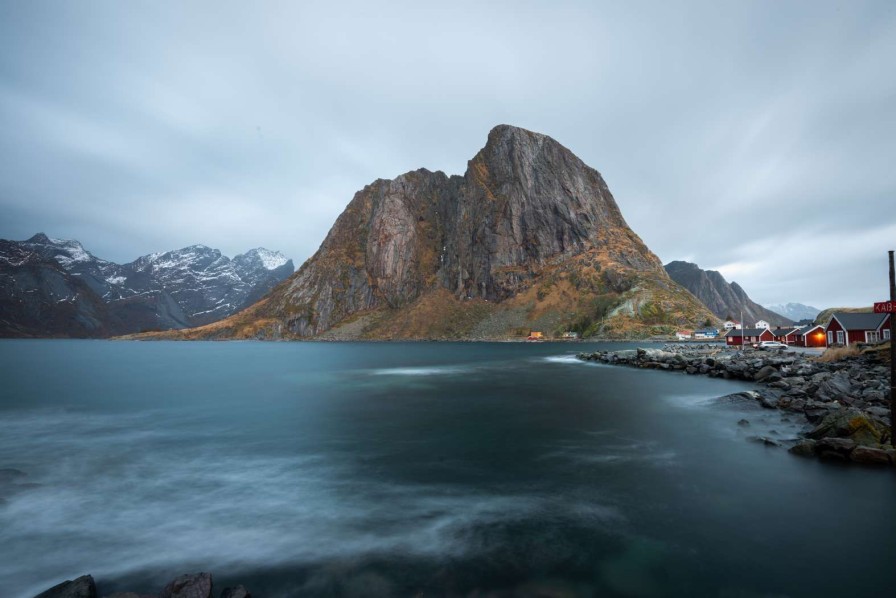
{"x":795,"y":311}
{"x":823,"y":317}
{"x":38,"y":297}
{"x":723,"y":299}
{"x":56,"y":288}
{"x":530,"y":238}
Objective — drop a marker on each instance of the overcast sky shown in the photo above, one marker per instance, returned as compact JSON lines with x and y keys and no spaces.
{"x":754,"y":138}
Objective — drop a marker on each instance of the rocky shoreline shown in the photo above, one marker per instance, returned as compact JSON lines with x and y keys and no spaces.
{"x":844,"y":402}
{"x":190,"y":585}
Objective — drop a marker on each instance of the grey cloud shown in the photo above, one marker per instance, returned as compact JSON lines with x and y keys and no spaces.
{"x":755,"y":138}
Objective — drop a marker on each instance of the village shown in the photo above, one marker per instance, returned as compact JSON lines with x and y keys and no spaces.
{"x":843,"y":329}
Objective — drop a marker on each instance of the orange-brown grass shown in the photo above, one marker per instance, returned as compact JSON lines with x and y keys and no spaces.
{"x":437,"y":314}
{"x":832,"y":354}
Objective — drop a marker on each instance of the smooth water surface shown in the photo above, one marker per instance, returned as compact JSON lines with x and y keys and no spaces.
{"x":394,"y":469}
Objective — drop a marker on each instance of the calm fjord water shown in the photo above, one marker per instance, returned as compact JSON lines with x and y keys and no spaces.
{"x":393,"y":469}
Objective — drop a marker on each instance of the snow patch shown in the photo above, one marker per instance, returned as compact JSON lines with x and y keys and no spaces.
{"x":271,"y":260}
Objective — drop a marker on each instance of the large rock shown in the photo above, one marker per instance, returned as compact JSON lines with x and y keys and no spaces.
{"x":237,"y":592}
{"x":190,"y":585}
{"x":765,"y":372}
{"x":835,"y":387}
{"x":834,"y":448}
{"x":849,"y":423}
{"x":870,"y":456}
{"x":82,"y":587}
{"x":804,"y":448}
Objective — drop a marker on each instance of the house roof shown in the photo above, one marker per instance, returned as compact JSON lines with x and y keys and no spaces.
{"x":747,"y":332}
{"x":806,"y":329}
{"x":784,"y":331}
{"x":862,"y":321}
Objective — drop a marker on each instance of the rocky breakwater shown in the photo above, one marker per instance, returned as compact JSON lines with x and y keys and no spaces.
{"x":190,"y":585}
{"x":844,"y":402}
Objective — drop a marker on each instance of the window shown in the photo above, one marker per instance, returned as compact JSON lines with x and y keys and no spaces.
{"x":830,"y":338}
{"x":886,"y":334}
{"x":871,"y":336}
{"x":841,"y":338}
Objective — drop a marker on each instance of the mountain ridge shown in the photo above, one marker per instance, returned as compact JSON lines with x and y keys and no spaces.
{"x":180,"y":288}
{"x":725,"y":300}
{"x":795,"y":311}
{"x":529,"y":236}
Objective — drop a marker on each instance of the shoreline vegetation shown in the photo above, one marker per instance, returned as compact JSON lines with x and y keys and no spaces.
{"x":842,"y":394}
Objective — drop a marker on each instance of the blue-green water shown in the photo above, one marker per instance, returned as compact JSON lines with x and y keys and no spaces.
{"x":399,"y":469}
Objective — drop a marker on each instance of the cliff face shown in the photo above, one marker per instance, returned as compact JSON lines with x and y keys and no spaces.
{"x":38,"y":297}
{"x":529,"y":236}
{"x":725,"y":300}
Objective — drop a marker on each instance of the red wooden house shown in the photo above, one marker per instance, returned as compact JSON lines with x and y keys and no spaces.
{"x":811,"y":336}
{"x":786,"y":335}
{"x":847,"y":329}
{"x":748,"y":336}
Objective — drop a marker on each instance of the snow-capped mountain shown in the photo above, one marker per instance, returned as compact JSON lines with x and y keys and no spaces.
{"x":174,"y":289}
{"x":795,"y":311}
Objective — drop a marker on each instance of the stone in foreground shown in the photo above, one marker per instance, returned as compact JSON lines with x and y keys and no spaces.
{"x":82,"y":587}
{"x":190,"y":585}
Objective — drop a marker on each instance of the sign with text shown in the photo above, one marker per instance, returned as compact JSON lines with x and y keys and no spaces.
{"x":885,"y":307}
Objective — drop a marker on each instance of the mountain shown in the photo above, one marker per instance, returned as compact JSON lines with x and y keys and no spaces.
{"x":52,"y":287}
{"x":725,"y":300}
{"x":795,"y":311}
{"x":530,"y":238}
{"x":38,"y":297}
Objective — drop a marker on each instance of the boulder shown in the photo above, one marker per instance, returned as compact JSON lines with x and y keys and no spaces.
{"x":765,"y":440}
{"x":834,"y":448}
{"x":836,"y":386}
{"x":190,"y":585}
{"x":879,"y":412}
{"x":82,"y":587}
{"x":797,"y":404}
{"x":849,"y":423}
{"x":237,"y":592}
{"x":804,"y":448}
{"x":768,"y":399}
{"x":869,"y":456}
{"x":738,"y":397}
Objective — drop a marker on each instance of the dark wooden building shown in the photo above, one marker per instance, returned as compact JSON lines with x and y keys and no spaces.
{"x":847,"y":329}
{"x":786,"y":335}
{"x":748,"y":336}
{"x":811,"y":336}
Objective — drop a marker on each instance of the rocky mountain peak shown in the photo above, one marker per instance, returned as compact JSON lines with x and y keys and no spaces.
{"x":39,"y":238}
{"x":526,"y":211}
{"x":267,"y":259}
{"x":66,"y":251}
{"x":726,"y":300}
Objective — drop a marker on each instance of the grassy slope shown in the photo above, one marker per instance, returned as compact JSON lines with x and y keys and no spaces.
{"x":825,"y":316}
